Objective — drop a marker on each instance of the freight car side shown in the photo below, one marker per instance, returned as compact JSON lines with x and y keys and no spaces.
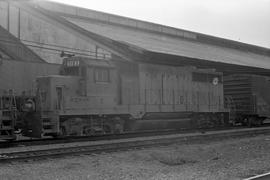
{"x":247,"y":97}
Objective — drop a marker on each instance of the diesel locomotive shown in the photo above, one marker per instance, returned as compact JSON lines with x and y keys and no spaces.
{"x":93,"y":96}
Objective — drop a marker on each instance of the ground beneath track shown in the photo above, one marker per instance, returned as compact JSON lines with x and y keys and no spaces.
{"x":225,"y":159}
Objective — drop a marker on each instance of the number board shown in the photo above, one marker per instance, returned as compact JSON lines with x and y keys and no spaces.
{"x":72,"y":63}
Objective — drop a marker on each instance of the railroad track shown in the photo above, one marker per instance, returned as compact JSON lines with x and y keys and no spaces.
{"x":133,"y":143}
{"x":31,"y":142}
{"x":69,"y":139}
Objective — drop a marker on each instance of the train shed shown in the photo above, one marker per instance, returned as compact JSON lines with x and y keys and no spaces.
{"x":36,"y":35}
{"x":76,"y":30}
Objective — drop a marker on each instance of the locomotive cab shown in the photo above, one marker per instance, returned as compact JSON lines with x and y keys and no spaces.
{"x":85,"y":88}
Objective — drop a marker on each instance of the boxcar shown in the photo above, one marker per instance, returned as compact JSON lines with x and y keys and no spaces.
{"x":247,"y":97}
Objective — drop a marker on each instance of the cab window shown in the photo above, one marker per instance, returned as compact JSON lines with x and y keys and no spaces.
{"x":102,"y":75}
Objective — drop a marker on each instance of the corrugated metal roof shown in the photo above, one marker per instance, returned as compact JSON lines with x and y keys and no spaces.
{"x":176,"y":46}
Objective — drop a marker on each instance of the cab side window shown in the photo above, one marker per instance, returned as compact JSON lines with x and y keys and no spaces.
{"x":102,"y":75}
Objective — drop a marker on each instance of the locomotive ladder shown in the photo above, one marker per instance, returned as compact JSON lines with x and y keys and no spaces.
{"x":8,"y":114}
{"x":46,"y":123}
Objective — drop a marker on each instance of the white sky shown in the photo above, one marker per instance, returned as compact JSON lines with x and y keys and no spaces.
{"x":242,"y":20}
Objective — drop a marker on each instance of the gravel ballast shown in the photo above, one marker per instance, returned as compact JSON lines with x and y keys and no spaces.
{"x":225,"y":159}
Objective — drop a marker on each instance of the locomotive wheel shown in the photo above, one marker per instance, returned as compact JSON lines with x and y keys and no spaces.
{"x":244,"y":122}
{"x":210,"y":121}
{"x":205,"y":121}
{"x":87,"y":131}
{"x":200,"y":121}
{"x":251,"y":121}
{"x":107,"y":130}
{"x":261,"y":121}
{"x":63,"y":131}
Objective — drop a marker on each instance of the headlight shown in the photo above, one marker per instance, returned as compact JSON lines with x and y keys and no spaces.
{"x":29,"y":105}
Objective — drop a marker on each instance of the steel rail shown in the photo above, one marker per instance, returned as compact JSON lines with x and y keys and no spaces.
{"x":69,"y":139}
{"x":264,"y":176}
{"x":121,"y":145}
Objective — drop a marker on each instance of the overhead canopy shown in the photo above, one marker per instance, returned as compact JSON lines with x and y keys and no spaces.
{"x":226,"y":68}
{"x":14,"y":48}
{"x":149,"y":56}
{"x":132,"y":42}
{"x":176,"y":46}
